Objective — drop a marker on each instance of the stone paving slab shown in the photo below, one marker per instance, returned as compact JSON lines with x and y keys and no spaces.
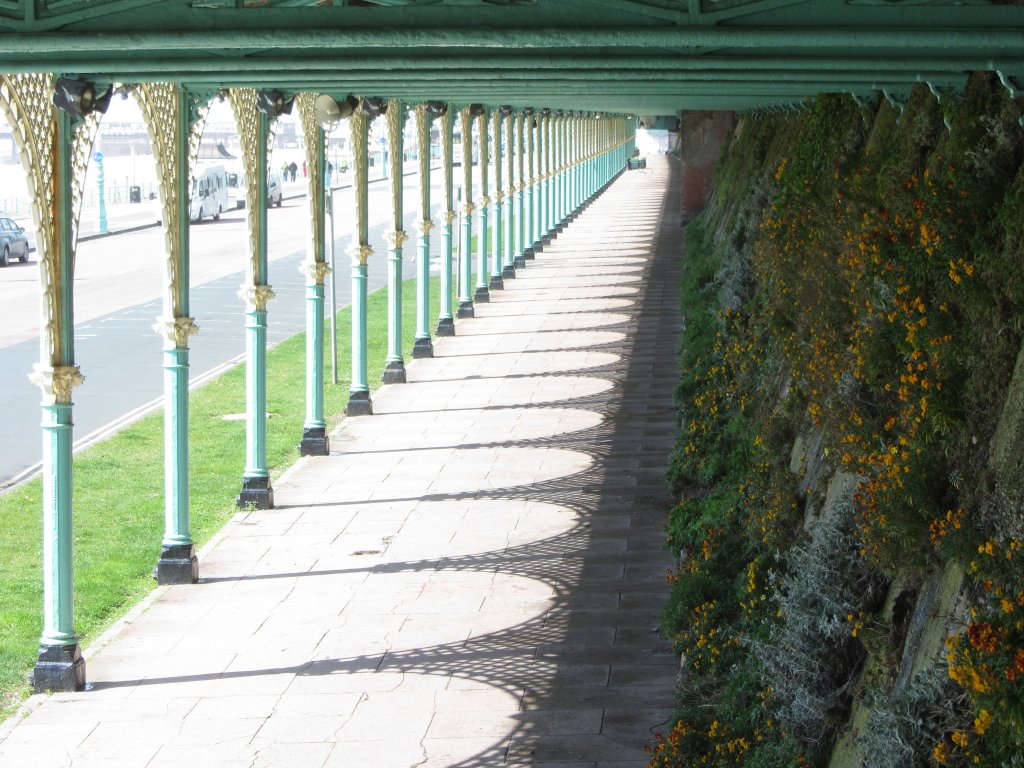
{"x":472,"y":578}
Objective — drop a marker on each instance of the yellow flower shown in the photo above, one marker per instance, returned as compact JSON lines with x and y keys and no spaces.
{"x":982,"y":722}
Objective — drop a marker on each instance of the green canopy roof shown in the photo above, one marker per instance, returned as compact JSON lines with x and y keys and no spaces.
{"x":639,"y":56}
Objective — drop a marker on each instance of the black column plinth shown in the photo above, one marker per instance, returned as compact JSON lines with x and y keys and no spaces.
{"x":445,"y":327}
{"x":256,"y":493}
{"x":359,"y":404}
{"x":482,"y":296}
{"x":533,"y":250}
{"x":508,"y":273}
{"x":422,"y":348}
{"x":466,"y":309}
{"x":315,"y":442}
{"x":520,"y":262}
{"x":496,"y":284}
{"x":58,"y":668}
{"x":394,"y":373}
{"x":178,"y":564}
{"x":546,"y":240}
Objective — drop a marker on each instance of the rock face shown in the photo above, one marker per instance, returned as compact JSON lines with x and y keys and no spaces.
{"x":850,"y":465}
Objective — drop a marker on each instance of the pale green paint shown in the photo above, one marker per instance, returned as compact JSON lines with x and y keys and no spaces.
{"x":465,"y":253}
{"x":360,"y":373}
{"x":445,"y":310}
{"x":497,"y":234}
{"x":256,"y":394}
{"x":482,"y":207}
{"x":315,"y":297}
{"x":256,"y":324}
{"x":58,"y":536}
{"x":510,"y":200}
{"x":314,"y":356}
{"x":423,"y":264}
{"x":176,"y":487}
{"x":57,"y":424}
{"x":395,"y":253}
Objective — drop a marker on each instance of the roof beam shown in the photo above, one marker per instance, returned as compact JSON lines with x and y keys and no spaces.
{"x":907,"y":41}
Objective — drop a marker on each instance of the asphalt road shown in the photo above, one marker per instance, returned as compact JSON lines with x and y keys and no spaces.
{"x":118,"y":297}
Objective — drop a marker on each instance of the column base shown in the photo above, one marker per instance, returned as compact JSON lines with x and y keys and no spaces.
{"x":482,"y":296}
{"x":422,"y":348}
{"x":546,"y":240}
{"x":359,"y":404}
{"x":520,"y":262}
{"x":466,"y":310}
{"x":528,"y":253}
{"x":315,"y":442}
{"x":537,"y":247}
{"x":394,"y":373}
{"x":496,"y":284}
{"x":445,"y":327}
{"x":256,"y":493}
{"x":560,"y":228}
{"x":178,"y":564}
{"x":58,"y":668}
{"x":509,"y":272}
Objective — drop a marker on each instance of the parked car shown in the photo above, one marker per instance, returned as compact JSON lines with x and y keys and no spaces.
{"x":275,"y":194}
{"x":13,"y":242}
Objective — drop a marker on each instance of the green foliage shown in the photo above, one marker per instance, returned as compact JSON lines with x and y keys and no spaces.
{"x":856,"y":280}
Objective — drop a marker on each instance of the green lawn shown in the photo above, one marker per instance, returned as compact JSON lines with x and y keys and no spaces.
{"x":118,"y":490}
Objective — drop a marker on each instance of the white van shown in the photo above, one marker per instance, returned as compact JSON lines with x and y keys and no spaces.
{"x":209,"y":193}
{"x":275,"y":194}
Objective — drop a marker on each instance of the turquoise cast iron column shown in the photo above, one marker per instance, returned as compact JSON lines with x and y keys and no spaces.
{"x":466,"y":243}
{"x":59,"y":666}
{"x":315,"y":441}
{"x":497,"y":233}
{"x":482,"y":295}
{"x":552,"y":196}
{"x":172,"y":118}
{"x":542,"y":180}
{"x":559,"y":179}
{"x":570,"y":172}
{"x":508,"y":272}
{"x":545,"y":208}
{"x":567,"y":168}
{"x":256,"y":293}
{"x":394,"y":369}
{"x":522,"y":205}
{"x":446,"y":320}
{"x":529,"y":181}
{"x":359,"y":402}
{"x":423,"y":346}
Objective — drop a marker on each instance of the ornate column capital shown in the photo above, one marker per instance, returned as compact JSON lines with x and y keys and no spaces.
{"x":484,"y":201}
{"x":56,"y":382}
{"x":499,"y":197}
{"x":256,"y":297}
{"x":450,"y":217}
{"x":359,"y":254}
{"x":468,"y":208}
{"x":316,"y":272}
{"x":423,"y":227}
{"x":396,"y":238}
{"x":176,"y":330}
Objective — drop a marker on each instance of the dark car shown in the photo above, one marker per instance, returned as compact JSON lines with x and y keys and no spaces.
{"x":13,"y":243}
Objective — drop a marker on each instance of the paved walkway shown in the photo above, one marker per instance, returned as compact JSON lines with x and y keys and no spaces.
{"x":473,"y":578}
